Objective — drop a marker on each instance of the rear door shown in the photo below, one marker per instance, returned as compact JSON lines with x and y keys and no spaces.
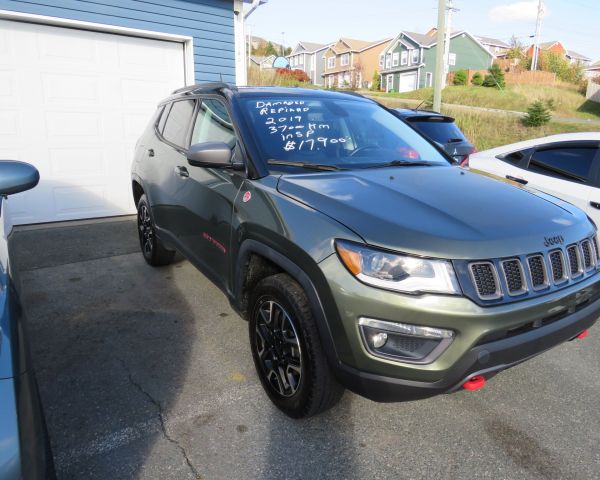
{"x":568,"y":170}
{"x":163,"y":179}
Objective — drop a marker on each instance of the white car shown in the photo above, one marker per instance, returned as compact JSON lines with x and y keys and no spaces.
{"x":566,"y":166}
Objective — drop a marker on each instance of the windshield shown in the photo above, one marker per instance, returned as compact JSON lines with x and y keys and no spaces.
{"x":441,"y":132}
{"x":345,"y":133}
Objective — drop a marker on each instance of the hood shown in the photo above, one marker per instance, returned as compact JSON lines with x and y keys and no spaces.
{"x":443,"y":212}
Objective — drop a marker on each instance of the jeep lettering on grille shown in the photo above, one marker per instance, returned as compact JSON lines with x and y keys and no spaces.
{"x":556,"y":240}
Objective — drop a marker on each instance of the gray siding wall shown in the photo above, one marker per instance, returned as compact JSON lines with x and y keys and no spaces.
{"x":209,"y":22}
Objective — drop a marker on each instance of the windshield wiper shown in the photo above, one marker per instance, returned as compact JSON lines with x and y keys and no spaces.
{"x":307,"y":165}
{"x":402,"y":163}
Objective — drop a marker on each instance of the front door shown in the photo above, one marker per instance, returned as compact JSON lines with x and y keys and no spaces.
{"x":207,"y":195}
{"x":389,"y":83}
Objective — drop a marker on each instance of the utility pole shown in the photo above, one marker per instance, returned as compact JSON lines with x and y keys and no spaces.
{"x":450,"y":10}
{"x":536,"y":41}
{"x":438,"y":80}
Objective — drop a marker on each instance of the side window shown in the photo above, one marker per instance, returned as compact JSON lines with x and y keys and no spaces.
{"x":213,"y":124}
{"x":178,"y":122}
{"x":567,"y":163}
{"x":514,"y":158}
{"x":163,"y":118}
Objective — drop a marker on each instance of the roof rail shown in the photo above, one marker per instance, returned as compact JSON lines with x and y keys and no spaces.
{"x":203,"y":86}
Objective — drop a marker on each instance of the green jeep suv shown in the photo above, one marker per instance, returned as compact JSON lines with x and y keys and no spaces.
{"x":360,"y":254}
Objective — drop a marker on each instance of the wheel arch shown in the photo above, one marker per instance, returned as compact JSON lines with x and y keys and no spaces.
{"x":279,"y":263}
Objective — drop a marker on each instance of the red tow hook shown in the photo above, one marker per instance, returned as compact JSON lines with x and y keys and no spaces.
{"x":583,"y":334}
{"x":474,"y":383}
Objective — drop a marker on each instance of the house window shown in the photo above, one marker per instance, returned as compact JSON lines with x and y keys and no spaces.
{"x":452,"y":59}
{"x":428,"y":79}
{"x":395,"y":59}
{"x":415,"y":56}
{"x":331,"y":62}
{"x":381,"y":60}
{"x":345,"y":59}
{"x":388,"y":60}
{"x":404,"y":58}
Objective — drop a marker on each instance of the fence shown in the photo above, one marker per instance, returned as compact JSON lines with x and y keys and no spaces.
{"x":526,"y":77}
{"x":593,"y":91}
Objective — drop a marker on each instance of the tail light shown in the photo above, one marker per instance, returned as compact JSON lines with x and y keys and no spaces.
{"x":464,"y":159}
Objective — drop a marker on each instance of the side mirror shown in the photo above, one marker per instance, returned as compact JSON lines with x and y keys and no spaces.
{"x":17,"y":177}
{"x":210,"y":154}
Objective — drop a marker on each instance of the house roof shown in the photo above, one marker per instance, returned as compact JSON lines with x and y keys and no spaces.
{"x":358,"y":45}
{"x":594,"y":65}
{"x":421,"y":38}
{"x":545,"y":45}
{"x":314,"y":47}
{"x":577,"y":56}
{"x":260,"y":59}
{"x":492,"y":41}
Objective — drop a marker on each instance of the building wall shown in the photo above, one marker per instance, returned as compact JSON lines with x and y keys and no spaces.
{"x":209,"y":22}
{"x":469,"y":56}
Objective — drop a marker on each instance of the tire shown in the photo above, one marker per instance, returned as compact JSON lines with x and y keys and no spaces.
{"x":155,"y":253}
{"x":287,"y":350}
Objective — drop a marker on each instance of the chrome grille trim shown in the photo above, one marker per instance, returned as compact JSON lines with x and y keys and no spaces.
{"x":543,"y":270}
{"x":498,"y":293}
{"x":556,"y":277}
{"x":588,"y":258}
{"x":506,"y":266}
{"x":574,"y":261}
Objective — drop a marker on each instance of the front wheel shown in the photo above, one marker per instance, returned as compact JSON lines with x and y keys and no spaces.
{"x":153,"y":249}
{"x":287,"y":351}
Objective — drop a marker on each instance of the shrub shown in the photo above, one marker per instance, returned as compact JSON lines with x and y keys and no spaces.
{"x":558,"y":64}
{"x":550,"y":104}
{"x":376,"y":82}
{"x":495,"y":78}
{"x":537,"y":115}
{"x":296,"y":74}
{"x":460,"y":77}
{"x":477,"y":79}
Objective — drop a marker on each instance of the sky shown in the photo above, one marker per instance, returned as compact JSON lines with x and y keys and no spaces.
{"x":574,"y":22}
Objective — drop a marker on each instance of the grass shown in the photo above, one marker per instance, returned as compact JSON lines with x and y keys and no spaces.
{"x":488,"y":130}
{"x":568,"y":101}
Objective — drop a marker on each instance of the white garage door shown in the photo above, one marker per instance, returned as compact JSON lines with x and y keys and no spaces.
{"x":73,"y":103}
{"x":408,"y":82}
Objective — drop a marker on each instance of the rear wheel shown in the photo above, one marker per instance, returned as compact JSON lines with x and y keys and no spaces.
{"x":152,"y":248}
{"x":287,"y":351}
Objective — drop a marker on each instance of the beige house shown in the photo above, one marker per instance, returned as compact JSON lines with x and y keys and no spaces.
{"x":351,"y":63}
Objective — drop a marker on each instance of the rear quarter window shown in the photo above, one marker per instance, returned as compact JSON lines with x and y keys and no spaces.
{"x":441,"y":132}
{"x":178,"y":122}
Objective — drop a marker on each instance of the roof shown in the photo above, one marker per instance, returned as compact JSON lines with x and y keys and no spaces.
{"x":360,"y":45}
{"x":594,"y":65}
{"x":421,"y":38}
{"x":577,"y":56}
{"x":544,"y":45}
{"x":492,"y":41}
{"x":313,"y":47}
{"x":561,"y":137}
{"x":260,"y":59}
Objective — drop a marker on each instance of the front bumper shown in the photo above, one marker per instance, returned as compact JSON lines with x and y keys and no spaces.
{"x":488,"y":339}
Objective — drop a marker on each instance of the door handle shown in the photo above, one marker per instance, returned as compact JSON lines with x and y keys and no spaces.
{"x":595,"y":205}
{"x":182,"y":171}
{"x":522,"y":181}
{"x":150,"y":152}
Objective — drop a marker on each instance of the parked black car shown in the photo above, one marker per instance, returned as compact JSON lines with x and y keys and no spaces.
{"x":24,"y":444}
{"x":442,"y":130}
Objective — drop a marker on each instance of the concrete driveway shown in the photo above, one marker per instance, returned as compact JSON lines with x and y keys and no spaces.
{"x":146,"y":373}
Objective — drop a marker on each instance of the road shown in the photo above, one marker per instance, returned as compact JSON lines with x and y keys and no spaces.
{"x":146,"y":373}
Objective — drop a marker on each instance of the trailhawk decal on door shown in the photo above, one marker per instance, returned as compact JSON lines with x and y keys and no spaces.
{"x":216,"y":243}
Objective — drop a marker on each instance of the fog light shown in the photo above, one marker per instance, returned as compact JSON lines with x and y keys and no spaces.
{"x":379,"y":339}
{"x":404,"y":342}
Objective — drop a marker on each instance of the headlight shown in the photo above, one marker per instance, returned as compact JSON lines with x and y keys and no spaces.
{"x":401,"y":273}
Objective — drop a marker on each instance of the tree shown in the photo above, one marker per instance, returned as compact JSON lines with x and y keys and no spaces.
{"x":477,"y":79}
{"x":270,"y":50}
{"x":537,"y":115}
{"x":516,"y":49}
{"x":495,"y":78}
{"x":558,"y":64}
{"x":460,"y":77}
{"x":376,"y":82}
{"x":287,"y":51}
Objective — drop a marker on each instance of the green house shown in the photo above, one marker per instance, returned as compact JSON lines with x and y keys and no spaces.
{"x":408,"y":62}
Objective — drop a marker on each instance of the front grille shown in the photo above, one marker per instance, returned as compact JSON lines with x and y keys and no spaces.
{"x":537,"y":272}
{"x":595,"y":242}
{"x":485,"y":279}
{"x":513,"y":274}
{"x":557,"y":263}
{"x":588,"y":259}
{"x":574,"y":263}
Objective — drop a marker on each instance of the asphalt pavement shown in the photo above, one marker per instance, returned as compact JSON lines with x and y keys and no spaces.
{"x":146,"y":373}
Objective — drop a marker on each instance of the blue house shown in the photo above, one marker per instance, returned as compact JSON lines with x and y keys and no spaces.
{"x":80,"y":80}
